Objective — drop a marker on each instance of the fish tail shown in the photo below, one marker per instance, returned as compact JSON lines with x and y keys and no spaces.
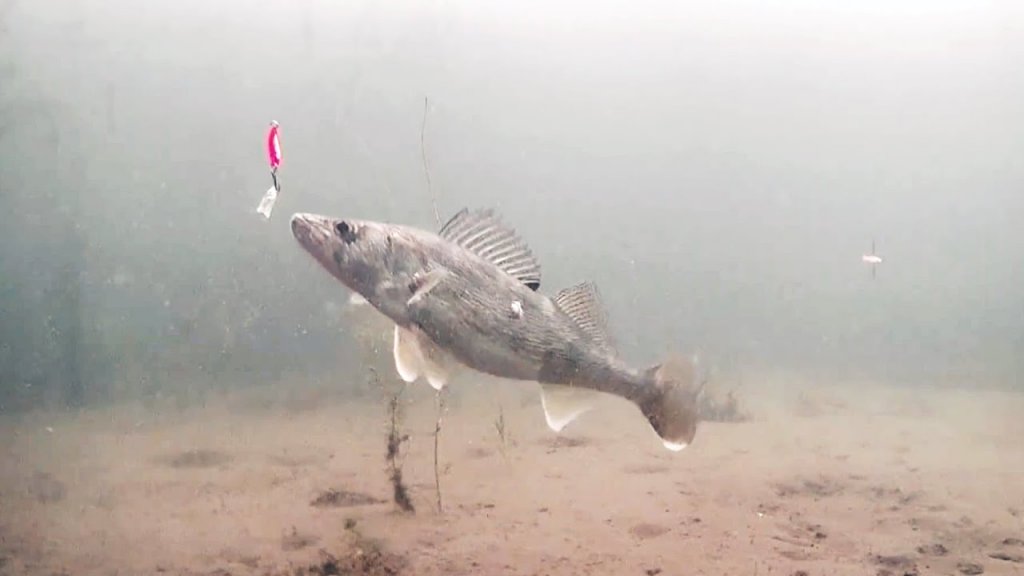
{"x":670,"y":402}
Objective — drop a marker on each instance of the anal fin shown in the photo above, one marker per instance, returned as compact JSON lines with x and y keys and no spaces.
{"x":563,"y":404}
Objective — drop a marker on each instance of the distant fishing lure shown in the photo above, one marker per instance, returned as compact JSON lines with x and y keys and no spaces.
{"x":274,"y":158}
{"x":874,"y":259}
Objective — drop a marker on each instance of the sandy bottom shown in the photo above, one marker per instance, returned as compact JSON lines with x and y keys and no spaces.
{"x":821,"y":481}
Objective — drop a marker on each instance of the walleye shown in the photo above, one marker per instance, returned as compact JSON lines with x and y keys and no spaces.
{"x":468,"y":297}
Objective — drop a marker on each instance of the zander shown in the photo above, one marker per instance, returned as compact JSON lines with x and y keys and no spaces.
{"x":468,"y":296}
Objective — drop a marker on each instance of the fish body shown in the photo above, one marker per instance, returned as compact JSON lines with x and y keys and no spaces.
{"x":469,"y":296}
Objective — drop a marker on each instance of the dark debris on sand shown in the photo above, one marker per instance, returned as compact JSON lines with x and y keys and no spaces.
{"x":343,"y":499}
{"x":557,"y":442}
{"x":936,"y":549}
{"x":895,"y":565}
{"x":197,"y":459}
{"x":46,"y":488}
{"x":712,"y":409}
{"x":358,"y":562}
{"x":816,"y":488}
{"x":970,"y":568}
{"x":1007,"y":557}
{"x":1012,"y":555}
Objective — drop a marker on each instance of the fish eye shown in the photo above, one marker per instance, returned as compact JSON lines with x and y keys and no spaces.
{"x":345,"y":232}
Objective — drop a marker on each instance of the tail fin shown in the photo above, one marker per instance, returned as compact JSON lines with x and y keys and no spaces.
{"x":671,"y":404}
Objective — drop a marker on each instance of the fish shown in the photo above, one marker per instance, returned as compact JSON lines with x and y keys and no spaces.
{"x":468,"y":296}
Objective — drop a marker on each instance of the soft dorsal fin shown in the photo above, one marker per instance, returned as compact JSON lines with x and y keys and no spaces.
{"x":583,"y":304}
{"x":481,"y":232}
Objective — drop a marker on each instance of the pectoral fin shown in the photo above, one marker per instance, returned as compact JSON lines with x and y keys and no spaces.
{"x":408,"y":360}
{"x":416,"y":355}
{"x":563,"y":404}
{"x":424,"y":283}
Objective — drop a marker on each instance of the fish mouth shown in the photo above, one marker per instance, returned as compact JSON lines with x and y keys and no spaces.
{"x":314,"y":234}
{"x":310,"y":229}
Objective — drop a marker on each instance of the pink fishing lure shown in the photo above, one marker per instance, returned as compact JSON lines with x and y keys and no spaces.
{"x":273,"y":147}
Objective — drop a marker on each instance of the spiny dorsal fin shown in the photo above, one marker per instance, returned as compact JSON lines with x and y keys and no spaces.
{"x":482,"y":233}
{"x":583,"y":304}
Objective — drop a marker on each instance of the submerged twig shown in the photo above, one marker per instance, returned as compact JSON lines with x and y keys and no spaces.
{"x":426,"y":166}
{"x":437,"y":218}
{"x":437,"y":440}
{"x":499,"y":426}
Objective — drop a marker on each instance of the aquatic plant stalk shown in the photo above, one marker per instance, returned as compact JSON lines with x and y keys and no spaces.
{"x":437,"y":218}
{"x":426,"y":166}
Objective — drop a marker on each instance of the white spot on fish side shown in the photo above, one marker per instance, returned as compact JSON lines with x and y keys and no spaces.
{"x":517,"y":310}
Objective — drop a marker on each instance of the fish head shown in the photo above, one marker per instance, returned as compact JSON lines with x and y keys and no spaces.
{"x":367,"y":257}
